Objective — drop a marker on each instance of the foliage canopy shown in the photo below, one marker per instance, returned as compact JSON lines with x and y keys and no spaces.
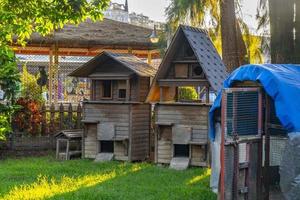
{"x":19,"y":19}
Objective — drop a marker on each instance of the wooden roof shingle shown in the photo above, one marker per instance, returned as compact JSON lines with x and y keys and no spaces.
{"x":207,"y":56}
{"x":91,"y":34}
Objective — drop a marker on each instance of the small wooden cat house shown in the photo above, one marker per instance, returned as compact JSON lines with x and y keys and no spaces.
{"x":116,"y":119}
{"x":190,"y":74}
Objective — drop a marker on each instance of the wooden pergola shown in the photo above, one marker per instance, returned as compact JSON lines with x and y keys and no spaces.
{"x":89,"y":39}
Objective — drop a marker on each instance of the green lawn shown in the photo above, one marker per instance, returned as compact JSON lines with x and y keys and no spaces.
{"x":46,"y":178}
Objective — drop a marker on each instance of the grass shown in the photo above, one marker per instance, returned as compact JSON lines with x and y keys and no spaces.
{"x":46,"y":178}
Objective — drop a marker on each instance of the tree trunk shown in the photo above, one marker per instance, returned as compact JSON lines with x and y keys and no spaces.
{"x":233,"y":46}
{"x":281,"y":29}
{"x":297,"y":33}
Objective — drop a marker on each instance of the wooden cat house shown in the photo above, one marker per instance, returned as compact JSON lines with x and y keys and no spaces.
{"x":116,"y":119}
{"x":191,"y":67}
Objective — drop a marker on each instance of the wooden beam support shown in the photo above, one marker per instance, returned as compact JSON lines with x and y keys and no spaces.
{"x":207,"y":94}
{"x":50,"y":76}
{"x":161,"y":94}
{"x":127,"y":90}
{"x":183,"y":82}
{"x":55,"y":71}
{"x":63,"y":51}
{"x":149,"y":58}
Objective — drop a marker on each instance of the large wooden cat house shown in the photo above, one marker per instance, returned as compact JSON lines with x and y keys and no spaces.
{"x":189,"y":76}
{"x":116,"y":119}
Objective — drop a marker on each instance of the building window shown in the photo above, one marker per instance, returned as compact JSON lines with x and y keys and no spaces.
{"x":107,"y":86}
{"x":106,"y":146}
{"x":181,"y":150}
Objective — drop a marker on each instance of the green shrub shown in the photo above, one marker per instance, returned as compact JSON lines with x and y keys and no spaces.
{"x":5,"y":127}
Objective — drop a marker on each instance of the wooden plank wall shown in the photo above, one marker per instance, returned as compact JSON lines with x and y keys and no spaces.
{"x":164,"y":145}
{"x":134,"y":89}
{"x":107,"y":113}
{"x":144,"y":84}
{"x":195,"y":116}
{"x":121,"y":150}
{"x":198,"y":155}
{"x":140,"y":134}
{"x":90,"y":141}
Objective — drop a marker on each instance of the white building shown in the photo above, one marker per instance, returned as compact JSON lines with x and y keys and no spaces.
{"x":119,"y":12}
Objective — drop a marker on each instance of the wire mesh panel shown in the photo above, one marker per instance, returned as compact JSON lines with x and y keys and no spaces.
{"x":242,"y":113}
{"x":60,"y":86}
{"x":241,"y":149}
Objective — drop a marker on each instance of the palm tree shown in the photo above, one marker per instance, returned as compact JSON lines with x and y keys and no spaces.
{"x":219,"y":14}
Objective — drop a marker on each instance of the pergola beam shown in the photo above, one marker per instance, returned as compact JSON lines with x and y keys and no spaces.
{"x":64,"y":51}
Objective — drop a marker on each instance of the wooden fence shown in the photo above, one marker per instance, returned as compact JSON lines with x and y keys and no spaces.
{"x":54,"y":118}
{"x":60,"y":117}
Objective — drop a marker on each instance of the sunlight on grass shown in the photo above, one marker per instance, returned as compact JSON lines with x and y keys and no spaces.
{"x":199,"y":178}
{"x":46,"y":188}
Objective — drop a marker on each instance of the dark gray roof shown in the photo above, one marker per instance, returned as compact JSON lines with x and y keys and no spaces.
{"x":130,"y":61}
{"x":207,"y":55}
{"x":134,"y":63}
{"x":70,"y":134}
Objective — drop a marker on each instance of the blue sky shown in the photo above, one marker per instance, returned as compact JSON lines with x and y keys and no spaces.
{"x":155,"y":9}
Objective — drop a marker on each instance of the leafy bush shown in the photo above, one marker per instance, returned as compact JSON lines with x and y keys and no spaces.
{"x":187,"y":94}
{"x":9,"y":73}
{"x":29,"y":117}
{"x":5,"y":127}
{"x":29,"y":86}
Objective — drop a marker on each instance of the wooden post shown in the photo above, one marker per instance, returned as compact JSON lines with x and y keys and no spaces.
{"x":50,"y":75}
{"x":67,"y":150}
{"x":57,"y":148}
{"x":43,"y":126}
{"x":55,"y":70}
{"x":61,"y":116}
{"x":92,"y":96}
{"x":127,"y":90}
{"x":52,"y":115}
{"x":161,"y":93}
{"x":130,"y":50}
{"x":78,"y":119}
{"x":207,"y":94}
{"x":149,"y":59}
{"x":83,"y":140}
{"x":70,"y":113}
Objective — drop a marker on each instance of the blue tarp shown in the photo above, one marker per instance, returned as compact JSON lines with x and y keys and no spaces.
{"x":280,"y":81}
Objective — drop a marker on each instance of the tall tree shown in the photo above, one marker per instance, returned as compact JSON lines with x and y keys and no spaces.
{"x":19,"y":19}
{"x":297,"y":32}
{"x":281,"y":17}
{"x":221,"y":16}
{"x":233,"y":50}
